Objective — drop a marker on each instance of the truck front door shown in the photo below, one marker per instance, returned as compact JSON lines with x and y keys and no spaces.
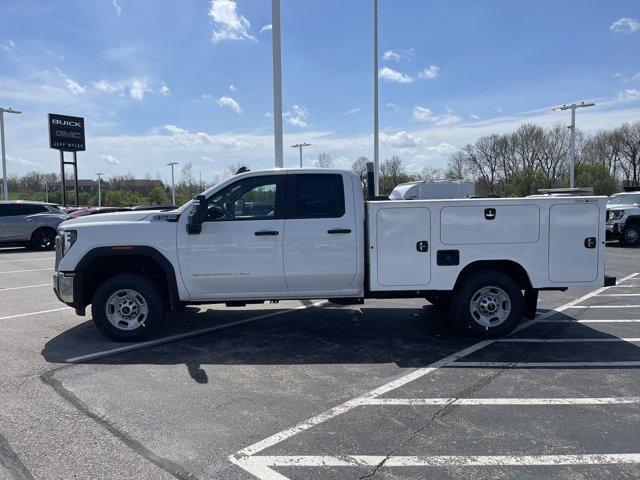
{"x":238,"y":254}
{"x":320,"y":239}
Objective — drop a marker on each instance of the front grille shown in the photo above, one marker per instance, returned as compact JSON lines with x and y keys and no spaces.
{"x":58,"y":249}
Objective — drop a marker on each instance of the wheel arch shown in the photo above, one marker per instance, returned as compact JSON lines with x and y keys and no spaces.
{"x":102,"y":263}
{"x":508,"y":267}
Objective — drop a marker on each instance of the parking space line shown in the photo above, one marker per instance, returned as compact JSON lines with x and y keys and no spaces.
{"x":588,"y":320}
{"x":620,"y":295}
{"x":24,"y":271}
{"x":35,"y":313}
{"x":435,"y":461}
{"x":40,"y":259}
{"x":543,"y":364}
{"x":241,"y":457}
{"x":503,"y":401}
{"x":588,"y":307}
{"x":26,"y":286}
{"x":182,"y":336}
{"x":568,"y":340}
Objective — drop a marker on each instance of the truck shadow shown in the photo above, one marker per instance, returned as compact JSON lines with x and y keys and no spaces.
{"x":407,"y":337}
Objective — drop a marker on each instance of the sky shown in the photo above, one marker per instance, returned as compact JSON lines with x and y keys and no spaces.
{"x":191,"y":81}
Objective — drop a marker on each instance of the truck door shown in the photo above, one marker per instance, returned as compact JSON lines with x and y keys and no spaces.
{"x":574,"y":242}
{"x":239,"y":250}
{"x":320,"y":232}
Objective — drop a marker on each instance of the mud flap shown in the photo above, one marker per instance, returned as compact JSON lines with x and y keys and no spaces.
{"x":530,"y":303}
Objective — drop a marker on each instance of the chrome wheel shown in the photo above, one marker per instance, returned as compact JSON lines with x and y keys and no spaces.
{"x":631,"y":235}
{"x":126,"y":310}
{"x":490,"y":306}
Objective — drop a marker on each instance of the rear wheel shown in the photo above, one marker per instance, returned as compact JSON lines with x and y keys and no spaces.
{"x":43,"y":239}
{"x":127,"y":307}
{"x":631,"y":236}
{"x":487,"y":304}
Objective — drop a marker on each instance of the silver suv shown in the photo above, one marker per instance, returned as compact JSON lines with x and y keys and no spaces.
{"x":33,"y":224}
{"x":623,"y":218}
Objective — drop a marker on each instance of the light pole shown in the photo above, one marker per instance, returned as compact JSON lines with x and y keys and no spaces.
{"x":277,"y":82}
{"x":376,"y":150}
{"x":572,"y":154}
{"x":301,"y":146}
{"x":99,"y":175}
{"x":173,"y":183}
{"x":5,"y":191}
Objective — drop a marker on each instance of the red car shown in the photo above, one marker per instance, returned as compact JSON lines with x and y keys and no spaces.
{"x":95,"y":210}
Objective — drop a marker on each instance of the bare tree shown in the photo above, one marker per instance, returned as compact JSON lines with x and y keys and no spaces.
{"x":323,"y":161}
{"x":359,"y":164}
{"x":630,"y":150}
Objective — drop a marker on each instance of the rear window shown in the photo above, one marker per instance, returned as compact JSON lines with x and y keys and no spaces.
{"x":316,"y":196}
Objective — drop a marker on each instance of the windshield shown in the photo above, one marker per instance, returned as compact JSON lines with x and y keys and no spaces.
{"x":622,"y":199}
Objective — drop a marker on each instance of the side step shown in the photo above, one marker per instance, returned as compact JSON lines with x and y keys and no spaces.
{"x":609,"y":281}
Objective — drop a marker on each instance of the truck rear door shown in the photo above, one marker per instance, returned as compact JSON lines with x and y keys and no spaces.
{"x":320,"y":234}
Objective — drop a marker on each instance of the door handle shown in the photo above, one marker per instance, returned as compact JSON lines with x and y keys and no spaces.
{"x":422,"y":246}
{"x":590,"y":242}
{"x":262,"y":233}
{"x":338,"y":230}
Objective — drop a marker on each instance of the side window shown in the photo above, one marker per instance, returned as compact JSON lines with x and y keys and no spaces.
{"x":316,"y":196}
{"x":12,"y":210}
{"x":32,"y":209}
{"x":253,"y":198}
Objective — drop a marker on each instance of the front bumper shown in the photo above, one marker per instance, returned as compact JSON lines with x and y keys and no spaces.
{"x":613,"y":230}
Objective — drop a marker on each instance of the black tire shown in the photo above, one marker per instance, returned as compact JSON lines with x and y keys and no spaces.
{"x":631,"y":236}
{"x":150,"y":299}
{"x":467,"y":296}
{"x":440,"y":300}
{"x":43,"y":238}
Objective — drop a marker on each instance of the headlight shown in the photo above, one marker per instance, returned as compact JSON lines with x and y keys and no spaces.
{"x":617,"y":214}
{"x":67,"y":239}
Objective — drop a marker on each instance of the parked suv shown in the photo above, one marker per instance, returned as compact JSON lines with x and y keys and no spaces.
{"x":623,"y":218}
{"x":33,"y":224}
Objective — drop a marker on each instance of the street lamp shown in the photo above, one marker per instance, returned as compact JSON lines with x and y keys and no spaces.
{"x":300,"y":146}
{"x":173,"y":182}
{"x":99,"y":175}
{"x":376,"y":149}
{"x":572,"y":155}
{"x":277,"y":82}
{"x":5,"y":191}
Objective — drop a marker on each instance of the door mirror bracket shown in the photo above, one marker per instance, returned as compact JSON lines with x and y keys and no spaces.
{"x":198,"y":215}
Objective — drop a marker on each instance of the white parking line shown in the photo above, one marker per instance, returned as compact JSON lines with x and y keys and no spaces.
{"x":588,"y":320}
{"x":24,"y":271}
{"x":26,"y":286}
{"x":503,"y":401}
{"x":35,"y":313}
{"x":588,"y":307}
{"x":568,"y":340}
{"x":246,"y":460}
{"x":263,"y":463}
{"x":620,"y":295}
{"x":543,"y":364}
{"x":40,"y":259}
{"x":182,"y":336}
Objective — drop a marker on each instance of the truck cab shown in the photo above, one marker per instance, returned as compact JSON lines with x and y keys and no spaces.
{"x":310,"y":234}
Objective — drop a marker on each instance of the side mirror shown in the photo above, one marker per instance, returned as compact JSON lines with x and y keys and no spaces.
{"x":198,"y":215}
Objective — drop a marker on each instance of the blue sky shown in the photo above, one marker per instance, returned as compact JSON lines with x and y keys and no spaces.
{"x":190,"y":81}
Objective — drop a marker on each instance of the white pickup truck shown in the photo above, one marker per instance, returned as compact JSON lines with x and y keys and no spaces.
{"x":310,"y":234}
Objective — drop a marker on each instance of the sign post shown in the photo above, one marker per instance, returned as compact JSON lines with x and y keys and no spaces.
{"x":66,"y":134}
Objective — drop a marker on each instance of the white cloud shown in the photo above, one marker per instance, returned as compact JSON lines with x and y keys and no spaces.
{"x":629,"y":94}
{"x":625,"y":25}
{"x":297,"y":116}
{"x":352,"y":111}
{"x":391,"y":55}
{"x":268,"y":114}
{"x":138,"y":88}
{"x":229,"y":23}
{"x":391,"y":75}
{"x":9,"y":45}
{"x":393,"y":107}
{"x":473,"y":116}
{"x":233,"y":88}
{"x":266,"y":28}
{"x":164,"y":90}
{"x":107,"y":87}
{"x":431,"y":71}
{"x":110,"y":160}
{"x":23,"y":162}
{"x":229,"y":103}
{"x":448,"y":118}
{"x":400,"y":139}
{"x":636,"y":77}
{"x":74,"y":87}
{"x":116,"y":7}
{"x":422,"y":114}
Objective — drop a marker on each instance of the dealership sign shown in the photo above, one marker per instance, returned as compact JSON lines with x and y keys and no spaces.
{"x":66,"y":133}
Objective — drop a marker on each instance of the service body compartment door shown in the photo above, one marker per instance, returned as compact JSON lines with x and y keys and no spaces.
{"x":574,"y":242}
{"x":403,"y":242}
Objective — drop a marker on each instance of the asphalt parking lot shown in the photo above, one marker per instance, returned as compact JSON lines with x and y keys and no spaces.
{"x":305,"y":390}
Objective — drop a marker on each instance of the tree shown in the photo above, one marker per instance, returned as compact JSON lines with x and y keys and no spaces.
{"x":629,"y":137}
{"x":525,"y":182}
{"x":359,"y":164}
{"x":158,"y":196}
{"x":323,"y":161}
{"x":597,"y":176}
{"x":392,"y":173}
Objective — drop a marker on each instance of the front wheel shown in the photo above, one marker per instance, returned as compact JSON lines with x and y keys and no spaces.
{"x":487,"y":304}
{"x":631,"y":236}
{"x":127,"y":307}
{"x":43,"y":239}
